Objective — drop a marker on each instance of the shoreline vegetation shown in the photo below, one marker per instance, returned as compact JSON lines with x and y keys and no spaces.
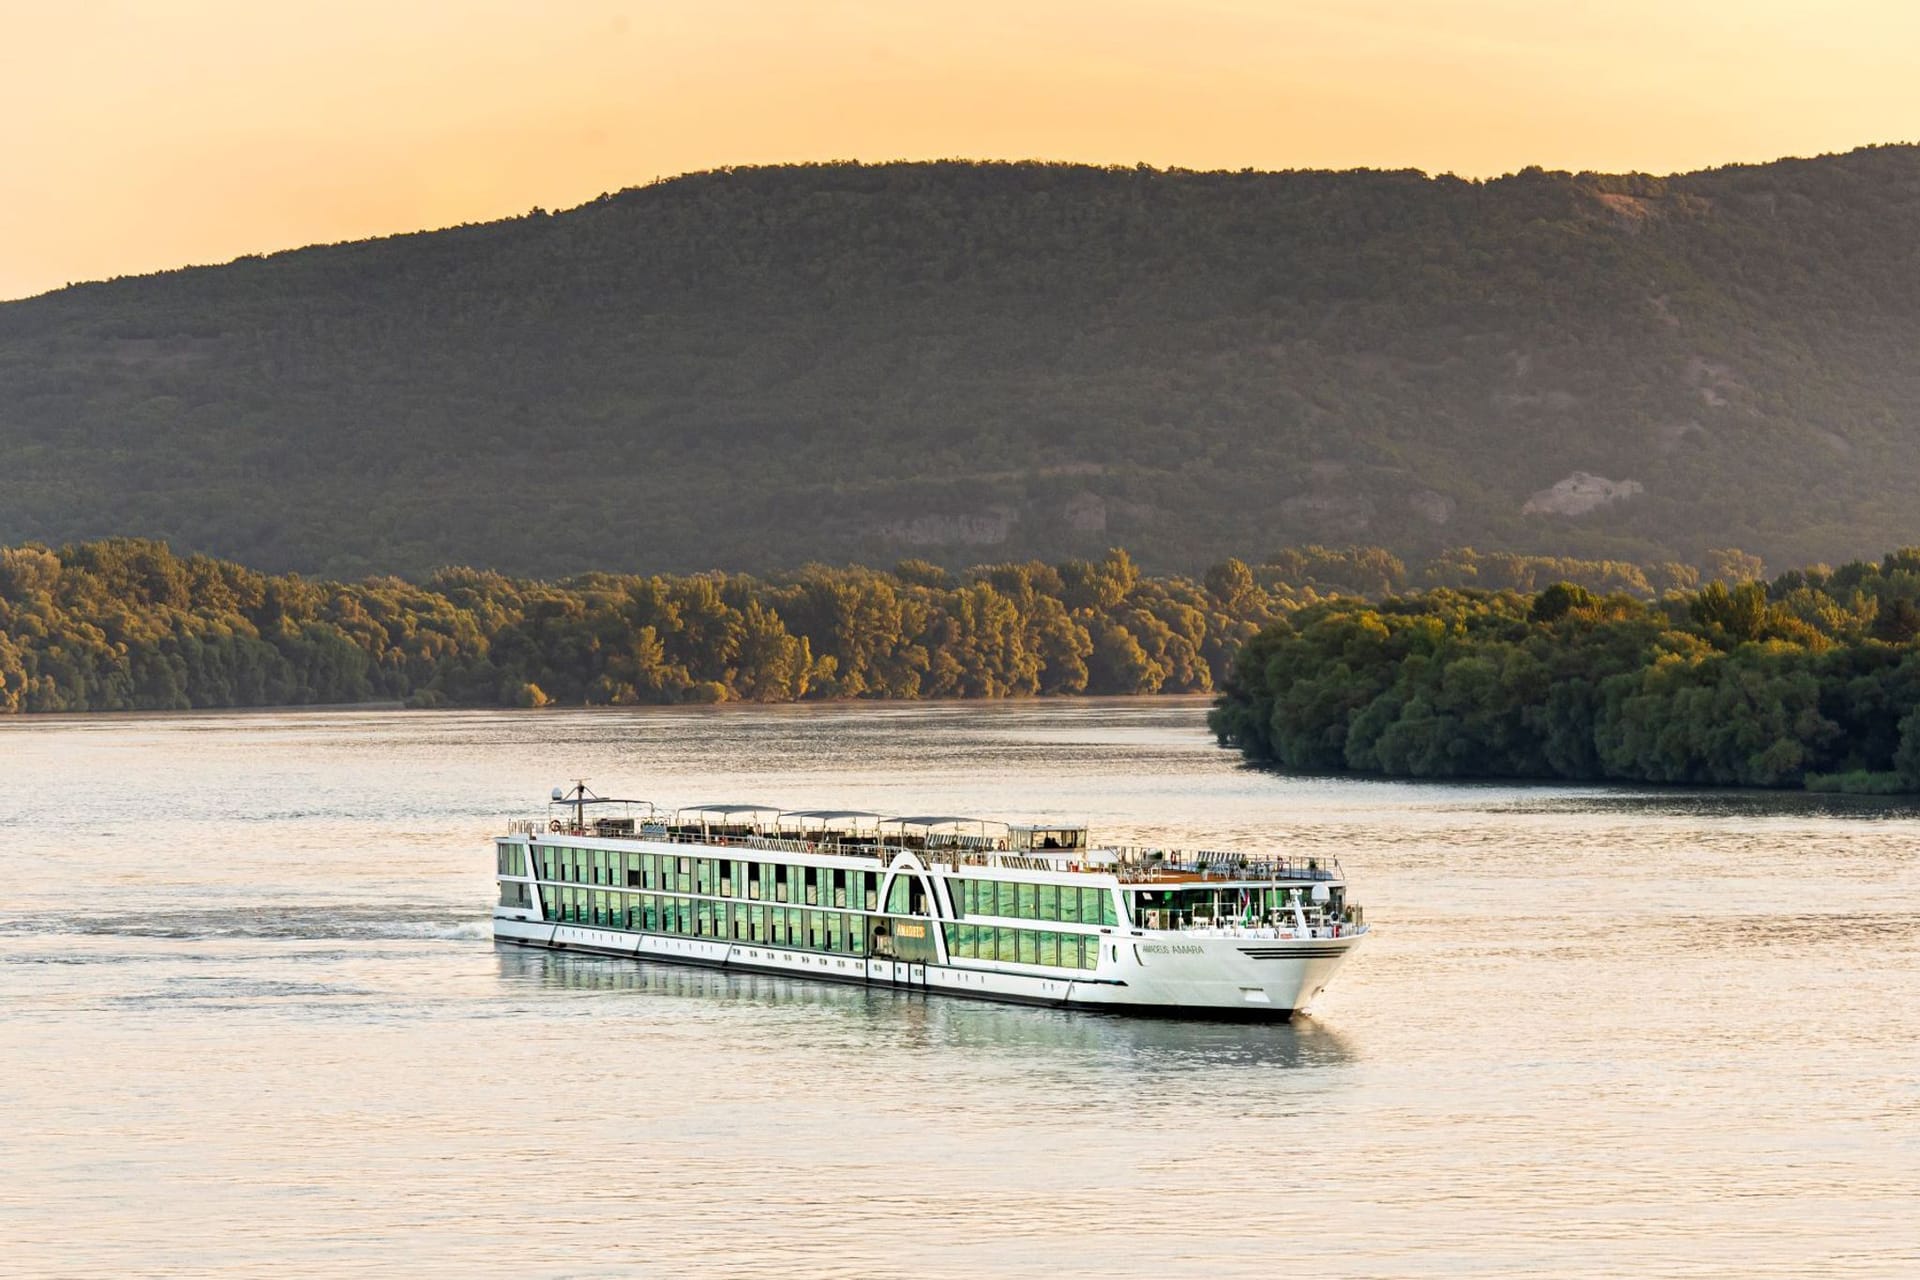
{"x":127,"y":625}
{"x":1811,"y":680}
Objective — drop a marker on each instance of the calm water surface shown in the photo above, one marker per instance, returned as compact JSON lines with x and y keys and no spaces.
{"x":250,"y":1020}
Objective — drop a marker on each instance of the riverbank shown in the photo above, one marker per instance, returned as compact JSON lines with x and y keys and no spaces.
{"x":1811,"y":681}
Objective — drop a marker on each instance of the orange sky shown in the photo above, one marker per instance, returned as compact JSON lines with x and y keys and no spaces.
{"x":136,"y":136}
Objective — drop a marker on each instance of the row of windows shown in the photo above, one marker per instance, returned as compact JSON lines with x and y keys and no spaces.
{"x":838,"y":887}
{"x":740,"y":921}
{"x":1023,"y":946}
{"x":798,"y":927}
{"x":724,"y":877}
{"x":1082,"y":904}
{"x":513,"y":857}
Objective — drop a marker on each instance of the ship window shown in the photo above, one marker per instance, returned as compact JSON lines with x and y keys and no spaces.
{"x":1023,"y":895}
{"x":1049,"y":947}
{"x":1003,"y":899}
{"x":757,"y":924}
{"x":1029,"y":946}
{"x":1049,"y":896}
{"x":857,"y":935}
{"x":1003,"y":944}
{"x":1089,"y":905}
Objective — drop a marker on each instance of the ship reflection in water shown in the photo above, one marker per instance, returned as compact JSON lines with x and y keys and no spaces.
{"x":840,"y":1009}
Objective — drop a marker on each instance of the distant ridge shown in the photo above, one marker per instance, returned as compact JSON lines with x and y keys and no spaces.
{"x":753,"y":368}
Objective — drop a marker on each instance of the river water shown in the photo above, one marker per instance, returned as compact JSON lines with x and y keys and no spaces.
{"x":251,"y":1021}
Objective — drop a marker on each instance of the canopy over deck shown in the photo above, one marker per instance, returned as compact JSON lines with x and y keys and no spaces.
{"x":941,"y":822}
{"x":851,"y":821}
{"x":727,"y":814}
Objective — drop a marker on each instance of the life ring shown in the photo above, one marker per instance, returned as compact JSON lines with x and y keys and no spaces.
{"x":554,"y":825}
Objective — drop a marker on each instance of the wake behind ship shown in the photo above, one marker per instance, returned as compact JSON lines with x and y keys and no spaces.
{"x":1031,"y":914}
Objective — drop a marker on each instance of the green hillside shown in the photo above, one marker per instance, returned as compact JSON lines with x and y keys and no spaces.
{"x":966,"y":363}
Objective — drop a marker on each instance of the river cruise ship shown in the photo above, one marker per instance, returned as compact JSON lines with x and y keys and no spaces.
{"x":1033,"y":914}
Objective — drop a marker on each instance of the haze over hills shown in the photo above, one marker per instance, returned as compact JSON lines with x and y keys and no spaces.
{"x":979,"y":362}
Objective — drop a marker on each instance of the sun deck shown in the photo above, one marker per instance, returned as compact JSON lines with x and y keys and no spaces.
{"x":936,"y":840}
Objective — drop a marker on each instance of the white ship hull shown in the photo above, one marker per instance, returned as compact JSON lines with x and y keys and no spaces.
{"x":1140,"y":972}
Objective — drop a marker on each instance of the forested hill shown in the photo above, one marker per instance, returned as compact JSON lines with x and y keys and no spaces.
{"x":755,"y":368}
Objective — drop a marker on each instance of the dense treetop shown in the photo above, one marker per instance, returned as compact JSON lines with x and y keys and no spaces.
{"x":759,"y":368}
{"x":127,"y":625}
{"x":1811,"y":680}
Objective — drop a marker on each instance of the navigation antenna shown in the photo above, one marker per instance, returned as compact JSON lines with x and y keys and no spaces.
{"x":578,"y":798}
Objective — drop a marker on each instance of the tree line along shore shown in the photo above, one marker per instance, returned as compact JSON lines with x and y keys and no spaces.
{"x":1471,"y":665}
{"x":1810,"y":680}
{"x":128,"y":625}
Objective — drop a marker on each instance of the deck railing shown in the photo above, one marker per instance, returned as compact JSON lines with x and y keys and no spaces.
{"x":1132,"y":864}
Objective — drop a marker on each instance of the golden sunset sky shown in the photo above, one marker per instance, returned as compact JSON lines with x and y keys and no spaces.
{"x":139,"y":136}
